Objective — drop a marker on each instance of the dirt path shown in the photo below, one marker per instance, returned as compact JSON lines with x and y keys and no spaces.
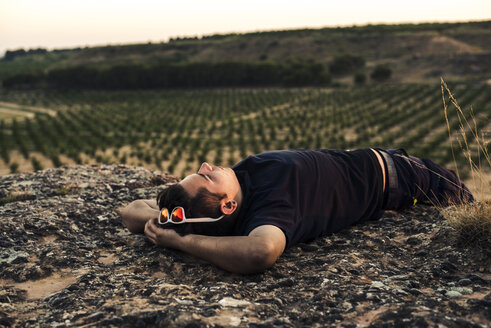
{"x":11,"y":113}
{"x":23,"y":110}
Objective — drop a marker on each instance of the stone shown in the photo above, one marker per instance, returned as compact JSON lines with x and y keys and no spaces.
{"x":464,"y":282}
{"x":377,"y":284}
{"x":66,"y":260}
{"x":462,"y":290}
{"x":11,"y":256}
{"x":453,"y":294}
{"x":232,"y":302}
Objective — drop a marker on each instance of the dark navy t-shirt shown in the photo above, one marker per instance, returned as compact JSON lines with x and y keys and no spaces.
{"x":309,"y":193}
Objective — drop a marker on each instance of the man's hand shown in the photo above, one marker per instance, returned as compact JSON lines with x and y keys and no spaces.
{"x":137,"y":213}
{"x":161,"y":237}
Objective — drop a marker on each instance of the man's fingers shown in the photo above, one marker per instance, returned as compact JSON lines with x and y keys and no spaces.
{"x":159,"y":236}
{"x":152,"y":224}
{"x":149,"y":230}
{"x":151,"y":236}
{"x":153,"y":232}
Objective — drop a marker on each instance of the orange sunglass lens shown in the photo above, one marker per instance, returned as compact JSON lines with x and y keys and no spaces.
{"x":177,"y":215}
{"x":164,"y":214}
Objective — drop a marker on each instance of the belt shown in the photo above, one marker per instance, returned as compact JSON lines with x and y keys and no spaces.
{"x":391,"y":201}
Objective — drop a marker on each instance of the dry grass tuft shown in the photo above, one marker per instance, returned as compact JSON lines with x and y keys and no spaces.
{"x":16,"y":197}
{"x":472,"y":222}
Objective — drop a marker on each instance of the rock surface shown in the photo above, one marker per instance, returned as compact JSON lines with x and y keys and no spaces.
{"x":66,"y":260}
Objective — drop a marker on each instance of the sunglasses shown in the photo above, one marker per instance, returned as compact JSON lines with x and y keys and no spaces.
{"x":177,"y":216}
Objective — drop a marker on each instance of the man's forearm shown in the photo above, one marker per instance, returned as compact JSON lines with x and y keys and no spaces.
{"x":136,"y":214}
{"x":240,"y":254}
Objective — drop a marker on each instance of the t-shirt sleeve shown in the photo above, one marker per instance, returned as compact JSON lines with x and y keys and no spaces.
{"x":278,"y":217}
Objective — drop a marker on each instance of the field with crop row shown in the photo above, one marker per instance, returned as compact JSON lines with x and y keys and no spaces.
{"x":176,"y":130}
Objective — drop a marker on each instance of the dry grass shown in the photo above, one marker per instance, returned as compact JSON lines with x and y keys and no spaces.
{"x":15,"y":197}
{"x":472,"y":222}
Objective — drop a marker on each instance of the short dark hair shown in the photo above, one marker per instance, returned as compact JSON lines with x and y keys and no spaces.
{"x":203,"y":204}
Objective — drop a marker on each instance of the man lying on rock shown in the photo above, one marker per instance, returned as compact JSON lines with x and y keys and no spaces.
{"x":243,"y":218}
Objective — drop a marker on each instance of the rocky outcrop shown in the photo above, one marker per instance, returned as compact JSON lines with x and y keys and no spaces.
{"x":66,"y":260}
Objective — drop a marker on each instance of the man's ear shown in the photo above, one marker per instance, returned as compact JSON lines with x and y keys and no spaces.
{"x":228,"y":206}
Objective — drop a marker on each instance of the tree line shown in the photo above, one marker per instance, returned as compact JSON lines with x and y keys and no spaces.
{"x":201,"y":74}
{"x":11,"y":54}
{"x":178,"y":75}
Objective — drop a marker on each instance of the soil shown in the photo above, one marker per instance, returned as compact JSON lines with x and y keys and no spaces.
{"x":21,"y":109}
{"x":9,"y":111}
{"x":67,"y":260}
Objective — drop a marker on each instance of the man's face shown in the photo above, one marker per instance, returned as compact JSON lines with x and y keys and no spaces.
{"x":214,"y":178}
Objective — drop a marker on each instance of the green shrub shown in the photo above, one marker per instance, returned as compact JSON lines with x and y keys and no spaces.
{"x":14,"y":167}
{"x":346,"y":64}
{"x":360,"y":78}
{"x":381,"y":72}
{"x":36,"y":164}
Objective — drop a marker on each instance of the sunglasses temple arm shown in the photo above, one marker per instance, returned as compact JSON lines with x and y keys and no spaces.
{"x":204,"y":219}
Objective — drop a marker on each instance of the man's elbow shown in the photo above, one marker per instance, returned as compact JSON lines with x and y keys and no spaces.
{"x":128,"y":221}
{"x":264,"y":256}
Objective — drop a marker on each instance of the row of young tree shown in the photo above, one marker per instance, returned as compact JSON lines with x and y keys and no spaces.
{"x":175,"y":130}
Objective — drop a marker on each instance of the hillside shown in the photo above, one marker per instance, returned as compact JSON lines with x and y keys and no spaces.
{"x":415,"y":53}
{"x":66,"y":260}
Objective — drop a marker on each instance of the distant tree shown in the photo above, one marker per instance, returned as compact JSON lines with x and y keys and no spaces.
{"x":11,"y":54}
{"x":346,"y":64}
{"x":36,"y":164}
{"x":303,"y":72}
{"x":381,"y":72}
{"x":55,"y":159}
{"x":4,"y":152}
{"x":360,"y":78}
{"x":23,"y":80}
{"x":179,"y":75}
{"x":78,"y":76}
{"x":36,"y":51}
{"x":14,"y":167}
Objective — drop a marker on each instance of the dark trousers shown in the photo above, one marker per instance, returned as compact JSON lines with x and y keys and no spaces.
{"x":421,"y":180}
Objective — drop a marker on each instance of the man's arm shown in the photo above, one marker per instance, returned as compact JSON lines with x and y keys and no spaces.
{"x":137,"y":213}
{"x":241,"y":254}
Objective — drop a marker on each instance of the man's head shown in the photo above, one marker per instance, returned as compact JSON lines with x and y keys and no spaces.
{"x":212,"y":192}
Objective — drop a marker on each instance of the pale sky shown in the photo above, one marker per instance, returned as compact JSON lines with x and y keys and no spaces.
{"x":67,"y":23}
